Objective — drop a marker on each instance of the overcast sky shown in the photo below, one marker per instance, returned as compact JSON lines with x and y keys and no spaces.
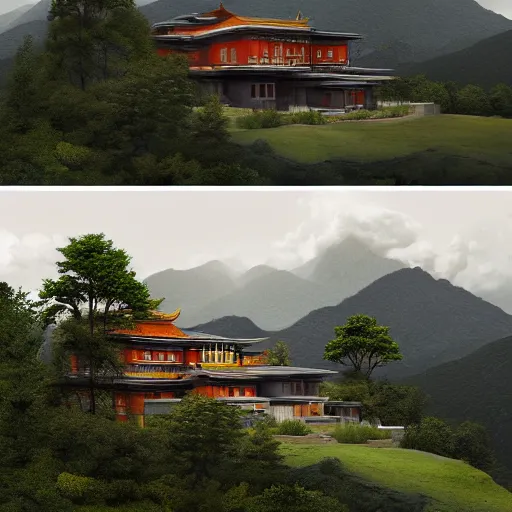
{"x":465,"y":236}
{"x":502,"y":6}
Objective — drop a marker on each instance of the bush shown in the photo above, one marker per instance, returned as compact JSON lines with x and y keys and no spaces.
{"x":431,"y":435}
{"x":261,"y":119}
{"x":359,"y":434}
{"x":293,"y":428}
{"x":311,"y":117}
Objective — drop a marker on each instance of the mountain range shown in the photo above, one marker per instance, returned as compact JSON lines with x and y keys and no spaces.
{"x":396,"y":31}
{"x":273,"y":299}
{"x":432,"y":321}
{"x":486,"y":63}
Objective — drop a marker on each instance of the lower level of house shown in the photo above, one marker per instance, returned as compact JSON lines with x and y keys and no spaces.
{"x":286,"y":93}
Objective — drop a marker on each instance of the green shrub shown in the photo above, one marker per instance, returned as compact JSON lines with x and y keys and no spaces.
{"x":358,"y":434}
{"x":311,"y":117}
{"x":293,"y":428}
{"x":261,"y":119}
{"x":432,"y":435}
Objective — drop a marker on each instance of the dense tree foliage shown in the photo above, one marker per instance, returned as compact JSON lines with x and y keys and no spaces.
{"x":362,"y":345}
{"x":453,"y":98}
{"x":279,"y":355}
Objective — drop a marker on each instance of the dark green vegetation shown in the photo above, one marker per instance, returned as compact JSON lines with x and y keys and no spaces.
{"x":485,"y":64}
{"x":278,"y":355}
{"x":476,"y":388}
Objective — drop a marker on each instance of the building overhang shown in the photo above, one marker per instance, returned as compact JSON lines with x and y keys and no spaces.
{"x":196,"y":340}
{"x":297,"y":399}
{"x":265,"y":372}
{"x":253,"y":29}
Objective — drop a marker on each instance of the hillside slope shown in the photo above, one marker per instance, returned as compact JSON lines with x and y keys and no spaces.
{"x":449,"y":485}
{"x":432,"y":320}
{"x":478,"y":388}
{"x":487,"y":63}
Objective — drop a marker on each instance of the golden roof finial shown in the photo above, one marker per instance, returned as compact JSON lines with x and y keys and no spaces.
{"x":300,"y":16}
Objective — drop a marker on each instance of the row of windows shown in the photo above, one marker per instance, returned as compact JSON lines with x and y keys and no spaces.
{"x":159,"y":356}
{"x":278,"y":52}
{"x":263,"y":91}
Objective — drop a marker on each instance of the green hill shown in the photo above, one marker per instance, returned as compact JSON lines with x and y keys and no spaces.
{"x":487,"y":63}
{"x":477,"y":388}
{"x":484,"y":139}
{"x":448,"y":485}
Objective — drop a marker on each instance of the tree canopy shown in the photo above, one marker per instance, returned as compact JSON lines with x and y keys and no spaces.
{"x":363,"y":345}
{"x":279,"y":355}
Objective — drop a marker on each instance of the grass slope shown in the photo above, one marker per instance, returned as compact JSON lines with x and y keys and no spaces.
{"x":485,"y":139}
{"x":451,"y":485}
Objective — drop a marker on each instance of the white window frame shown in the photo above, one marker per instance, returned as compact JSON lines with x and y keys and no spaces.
{"x":233,"y":55}
{"x":319,"y":54}
{"x":330,"y":53}
{"x":224,"y":55}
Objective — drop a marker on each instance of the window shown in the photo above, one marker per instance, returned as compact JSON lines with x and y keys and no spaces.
{"x":319,"y":54}
{"x":330,"y":54}
{"x":276,"y":51}
{"x":288,"y":52}
{"x":147,"y":356}
{"x":263,"y":91}
{"x":161,"y":356}
{"x":233,"y":54}
{"x":224,"y":55}
{"x":171,"y":357}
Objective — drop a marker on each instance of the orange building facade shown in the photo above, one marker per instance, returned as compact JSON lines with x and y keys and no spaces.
{"x":163,"y":362}
{"x":267,"y":63}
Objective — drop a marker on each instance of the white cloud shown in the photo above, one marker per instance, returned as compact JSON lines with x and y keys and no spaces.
{"x":28,"y":258}
{"x":479,"y":259}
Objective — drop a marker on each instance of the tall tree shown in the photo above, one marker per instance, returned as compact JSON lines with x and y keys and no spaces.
{"x":91,"y":40}
{"x":95,"y":280}
{"x":279,"y":355}
{"x":363,"y":345}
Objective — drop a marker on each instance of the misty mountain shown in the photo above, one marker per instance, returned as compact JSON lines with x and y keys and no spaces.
{"x":487,"y":63}
{"x":275,"y":299}
{"x":7,"y":19}
{"x":237,"y":327}
{"x":409,"y":30}
{"x":476,"y":388}
{"x":433,"y":321}
{"x":349,"y":264}
{"x":191,"y":289}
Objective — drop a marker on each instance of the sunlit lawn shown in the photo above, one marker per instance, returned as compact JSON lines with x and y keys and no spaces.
{"x":487,"y":139}
{"x":453,"y":486}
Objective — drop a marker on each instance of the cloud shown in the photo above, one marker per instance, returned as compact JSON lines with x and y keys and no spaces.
{"x":25,"y":260}
{"x":478,"y":260}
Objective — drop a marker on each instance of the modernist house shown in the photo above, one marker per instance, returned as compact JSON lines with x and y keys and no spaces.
{"x":267,"y":63}
{"x":163,"y":362}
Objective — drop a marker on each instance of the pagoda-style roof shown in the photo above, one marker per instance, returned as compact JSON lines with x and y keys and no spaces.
{"x":219,"y":21}
{"x":222,"y":18}
{"x":160,"y":329}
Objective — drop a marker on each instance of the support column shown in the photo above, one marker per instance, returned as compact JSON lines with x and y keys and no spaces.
{"x":369,"y":99}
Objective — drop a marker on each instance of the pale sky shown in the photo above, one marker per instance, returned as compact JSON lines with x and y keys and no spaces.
{"x":465,"y":236}
{"x":501,"y":6}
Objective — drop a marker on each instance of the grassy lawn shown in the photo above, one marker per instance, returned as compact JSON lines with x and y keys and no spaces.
{"x":486,"y":139}
{"x":452,"y":485}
